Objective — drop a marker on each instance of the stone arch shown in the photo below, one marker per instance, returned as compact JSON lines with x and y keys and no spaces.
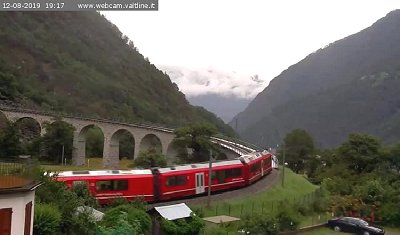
{"x":150,"y":141}
{"x":3,"y":120}
{"x":58,"y":152}
{"x":112,"y":157}
{"x":29,"y":127}
{"x":172,"y":152}
{"x":80,"y":144}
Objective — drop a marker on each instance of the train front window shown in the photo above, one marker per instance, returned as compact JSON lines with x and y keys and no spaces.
{"x":112,"y":185}
{"x":256,"y":167}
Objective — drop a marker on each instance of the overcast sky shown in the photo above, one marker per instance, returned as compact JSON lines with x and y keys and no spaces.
{"x":245,"y":37}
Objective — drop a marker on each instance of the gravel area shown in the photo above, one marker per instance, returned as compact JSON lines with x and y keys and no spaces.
{"x":261,"y":185}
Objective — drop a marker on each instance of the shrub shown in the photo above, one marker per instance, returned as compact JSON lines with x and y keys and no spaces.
{"x":83,"y":223}
{"x":119,"y":201}
{"x":150,"y":158}
{"x":390,"y":214}
{"x":259,"y":224}
{"x":304,"y":209}
{"x":47,"y":218}
{"x":134,"y":215}
{"x":287,"y":220}
{"x":122,"y":227}
{"x":139,"y":203}
{"x":82,"y":191}
{"x":187,"y":226}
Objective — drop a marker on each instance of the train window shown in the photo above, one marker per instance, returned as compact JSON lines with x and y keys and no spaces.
{"x":111,"y":185}
{"x":266,"y":162}
{"x":213,"y":175}
{"x":221,"y":176}
{"x":176,"y":180}
{"x":255,"y":167}
{"x":233,"y":172}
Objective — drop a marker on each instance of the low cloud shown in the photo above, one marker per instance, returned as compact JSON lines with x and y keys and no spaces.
{"x":211,"y":81}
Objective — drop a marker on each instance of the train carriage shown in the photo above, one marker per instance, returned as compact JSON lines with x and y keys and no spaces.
{"x":227,"y":175}
{"x":256,"y":165}
{"x":106,"y":185}
{"x":181,"y":181}
{"x":188,"y":180}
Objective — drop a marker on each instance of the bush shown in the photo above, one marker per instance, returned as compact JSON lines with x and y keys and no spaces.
{"x":122,"y":227}
{"x":186,"y":226}
{"x":390,"y":214}
{"x":134,"y":215}
{"x":139,"y":203}
{"x":259,"y":224}
{"x":82,"y":191}
{"x":83,"y":223}
{"x":119,"y":201}
{"x":287,"y":220}
{"x":304,"y":209}
{"x":320,"y":204}
{"x":47,"y":218}
{"x":150,"y":158}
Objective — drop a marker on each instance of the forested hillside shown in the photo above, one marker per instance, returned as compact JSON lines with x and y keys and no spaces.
{"x":349,"y":86}
{"x":78,"y":62}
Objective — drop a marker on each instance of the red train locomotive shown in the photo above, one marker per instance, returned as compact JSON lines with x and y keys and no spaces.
{"x":173,"y":182}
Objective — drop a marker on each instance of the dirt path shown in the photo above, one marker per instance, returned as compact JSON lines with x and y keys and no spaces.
{"x":261,"y":185}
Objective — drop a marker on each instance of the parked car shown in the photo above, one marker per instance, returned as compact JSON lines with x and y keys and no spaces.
{"x":354,"y":225}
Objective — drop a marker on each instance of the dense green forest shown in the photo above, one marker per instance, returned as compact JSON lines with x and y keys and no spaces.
{"x":79,"y":63}
{"x":361,"y":176}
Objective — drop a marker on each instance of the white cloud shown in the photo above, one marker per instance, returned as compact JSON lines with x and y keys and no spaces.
{"x":194,"y":82}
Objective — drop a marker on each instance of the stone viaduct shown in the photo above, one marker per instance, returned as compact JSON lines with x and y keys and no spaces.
{"x":144,"y":135}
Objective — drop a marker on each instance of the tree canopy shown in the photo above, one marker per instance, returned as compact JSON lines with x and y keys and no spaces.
{"x":360,"y":151}
{"x":150,"y":158}
{"x":195,"y":137}
{"x":299,"y":148}
{"x":10,"y":144}
{"x":57,"y":141}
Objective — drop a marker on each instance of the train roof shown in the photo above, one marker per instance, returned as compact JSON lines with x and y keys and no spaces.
{"x":244,"y":159}
{"x":252,"y":156}
{"x":199,"y":166}
{"x":103,"y":172}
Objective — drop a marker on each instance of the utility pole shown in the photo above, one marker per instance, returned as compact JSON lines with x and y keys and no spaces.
{"x":63,"y":162}
{"x":283,"y":165}
{"x":209,"y":178}
{"x":236,"y":123}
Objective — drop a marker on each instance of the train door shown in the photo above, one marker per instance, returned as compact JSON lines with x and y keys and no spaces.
{"x":262,"y":167}
{"x":200,"y":183}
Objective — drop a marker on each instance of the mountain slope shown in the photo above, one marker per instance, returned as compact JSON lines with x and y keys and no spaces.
{"x":348,"y":86}
{"x":78,"y":62}
{"x":225,"y":107}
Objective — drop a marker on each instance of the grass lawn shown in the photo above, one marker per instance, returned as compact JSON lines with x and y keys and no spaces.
{"x":297,"y":189}
{"x":392,"y":230}
{"x":91,"y":164}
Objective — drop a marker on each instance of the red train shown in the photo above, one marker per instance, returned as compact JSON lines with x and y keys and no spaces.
{"x":172,"y":182}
